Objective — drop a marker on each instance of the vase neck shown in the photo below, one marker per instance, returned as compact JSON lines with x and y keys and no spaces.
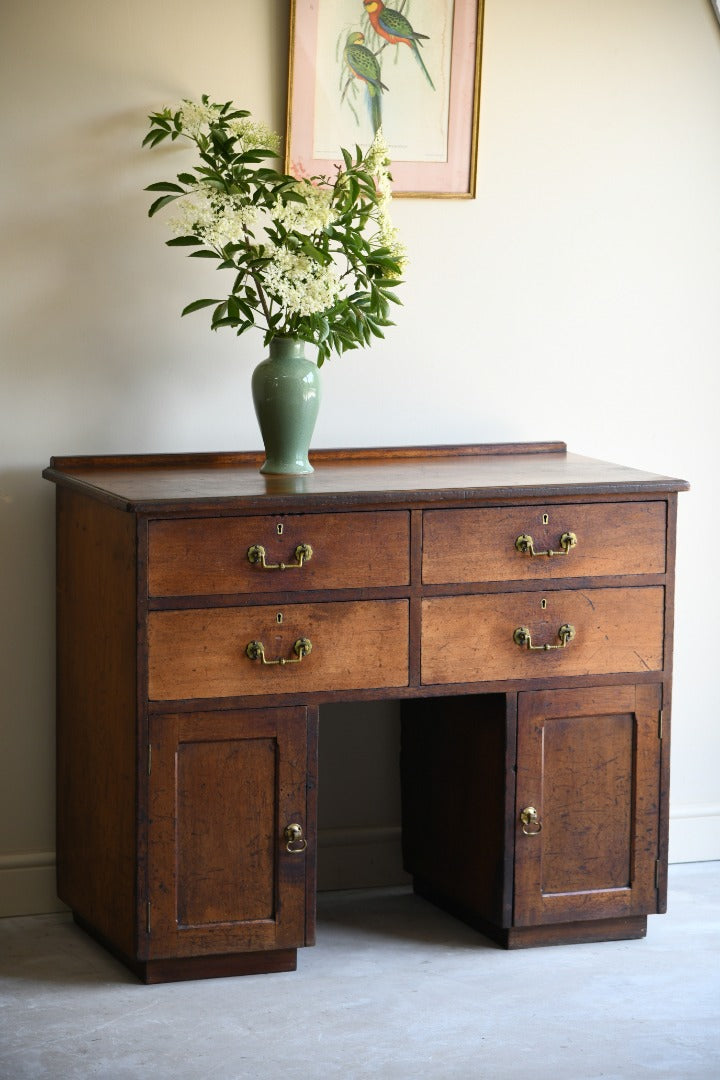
{"x":287,"y":348}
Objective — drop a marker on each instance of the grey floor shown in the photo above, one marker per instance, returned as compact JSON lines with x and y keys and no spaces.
{"x":393,"y":989}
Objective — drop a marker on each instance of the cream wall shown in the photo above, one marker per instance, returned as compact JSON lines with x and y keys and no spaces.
{"x":575,"y":299}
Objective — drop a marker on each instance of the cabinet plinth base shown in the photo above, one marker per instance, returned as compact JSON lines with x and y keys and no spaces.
{"x":185,"y":968}
{"x":527,"y":937}
{"x":576,"y":933}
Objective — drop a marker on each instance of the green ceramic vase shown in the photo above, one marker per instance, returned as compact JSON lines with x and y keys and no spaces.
{"x":286,"y":394}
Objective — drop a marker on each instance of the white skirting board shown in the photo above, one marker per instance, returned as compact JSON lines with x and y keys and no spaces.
{"x":354,"y":858}
{"x":695,"y":833}
{"x":27,"y":884}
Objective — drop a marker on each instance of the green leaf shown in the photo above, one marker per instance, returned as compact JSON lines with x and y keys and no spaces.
{"x":164,"y":185}
{"x":159,"y":203}
{"x":196,"y":305}
{"x":154,"y":137}
{"x":204,"y":254}
{"x":313,"y":252}
{"x":255,"y":156}
{"x":183,"y":241}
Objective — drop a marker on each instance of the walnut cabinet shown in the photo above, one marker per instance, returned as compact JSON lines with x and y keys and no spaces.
{"x":516,"y":598}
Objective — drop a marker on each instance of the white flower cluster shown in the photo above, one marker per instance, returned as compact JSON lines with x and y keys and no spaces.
{"x":377,"y":158}
{"x":196,"y":117}
{"x":312,"y":215}
{"x":253,"y":135}
{"x":377,"y":161}
{"x":218,"y":219}
{"x":302,"y":285}
{"x":389,"y":236}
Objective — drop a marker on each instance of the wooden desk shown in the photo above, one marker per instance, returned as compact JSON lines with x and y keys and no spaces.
{"x":517,"y":598}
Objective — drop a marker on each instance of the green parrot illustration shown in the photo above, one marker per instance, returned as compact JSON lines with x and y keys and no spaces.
{"x":394,"y":28}
{"x":364,"y":65}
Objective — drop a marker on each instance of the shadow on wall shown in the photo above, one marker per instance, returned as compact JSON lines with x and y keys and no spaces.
{"x":27,"y":649}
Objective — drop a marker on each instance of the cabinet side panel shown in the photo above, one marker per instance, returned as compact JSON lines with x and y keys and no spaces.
{"x":96,"y":680}
{"x":454,"y":768}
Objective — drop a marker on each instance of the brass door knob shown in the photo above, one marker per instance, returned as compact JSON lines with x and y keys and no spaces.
{"x":295,"y":842}
{"x":531,"y":824}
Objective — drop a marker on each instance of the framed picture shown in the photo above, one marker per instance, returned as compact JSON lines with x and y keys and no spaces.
{"x":411,"y":67}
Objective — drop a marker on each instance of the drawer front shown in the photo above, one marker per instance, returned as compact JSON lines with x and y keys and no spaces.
{"x":482,"y":545}
{"x":472,"y":638}
{"x":203,"y":654}
{"x":209,"y":556}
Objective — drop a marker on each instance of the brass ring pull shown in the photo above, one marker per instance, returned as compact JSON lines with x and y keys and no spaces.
{"x":295,"y":842}
{"x":302,"y":648}
{"x":524,"y":544}
{"x":257,"y":554}
{"x":531,"y":825}
{"x":523,"y":638}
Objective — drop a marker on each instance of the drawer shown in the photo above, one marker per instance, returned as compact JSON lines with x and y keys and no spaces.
{"x":480,"y":545}
{"x":471,"y":638}
{"x":203,"y":654}
{"x":209,"y":556}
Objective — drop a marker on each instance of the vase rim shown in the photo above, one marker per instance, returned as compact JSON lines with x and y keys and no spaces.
{"x":288,"y":340}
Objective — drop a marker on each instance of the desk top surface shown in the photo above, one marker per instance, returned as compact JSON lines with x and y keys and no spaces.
{"x":411,"y":475}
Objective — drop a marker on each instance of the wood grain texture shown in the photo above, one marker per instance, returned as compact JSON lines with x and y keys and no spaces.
{"x":457,"y":764}
{"x":479,"y":545}
{"x":206,"y":556}
{"x":96,"y":721}
{"x":470,"y":638}
{"x":414,"y":591}
{"x":202,"y":654}
{"x":627,"y":928}
{"x":589,"y":762}
{"x":229,"y":482}
{"x":221,"y":878}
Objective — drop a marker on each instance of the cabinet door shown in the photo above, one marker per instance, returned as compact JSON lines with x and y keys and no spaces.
{"x":589,"y":764}
{"x":223,"y":876}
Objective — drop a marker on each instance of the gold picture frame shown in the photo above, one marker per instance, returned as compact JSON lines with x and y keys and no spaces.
{"x":412,"y":68}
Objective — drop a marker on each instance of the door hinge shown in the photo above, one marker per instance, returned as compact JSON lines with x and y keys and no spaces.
{"x":149,"y":759}
{"x":148,"y":926}
{"x":658,"y":866}
{"x":660,"y":724}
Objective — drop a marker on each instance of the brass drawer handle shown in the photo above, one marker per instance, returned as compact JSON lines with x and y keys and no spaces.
{"x":256,"y":555}
{"x":531,"y":825}
{"x":295,"y":842}
{"x":302,"y":648}
{"x":523,"y":638}
{"x":524,"y":544}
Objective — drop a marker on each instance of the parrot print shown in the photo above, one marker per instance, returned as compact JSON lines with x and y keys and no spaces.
{"x":363,"y":64}
{"x":393,"y":27}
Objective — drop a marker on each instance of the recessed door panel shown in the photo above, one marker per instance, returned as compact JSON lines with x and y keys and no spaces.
{"x":587,"y":810}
